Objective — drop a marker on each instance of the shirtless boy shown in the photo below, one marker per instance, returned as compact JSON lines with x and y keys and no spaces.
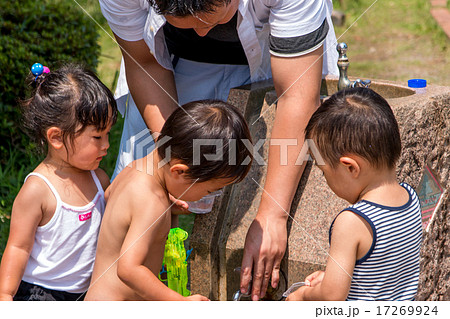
{"x":137,"y":219}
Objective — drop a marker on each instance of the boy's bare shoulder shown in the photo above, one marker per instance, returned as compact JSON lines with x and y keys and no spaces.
{"x":349,"y":226}
{"x":137,"y":200}
{"x":137,"y":187}
{"x":348,"y":221}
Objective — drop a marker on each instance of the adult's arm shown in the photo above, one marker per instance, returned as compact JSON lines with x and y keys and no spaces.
{"x":151,"y":85}
{"x":297,"y":83}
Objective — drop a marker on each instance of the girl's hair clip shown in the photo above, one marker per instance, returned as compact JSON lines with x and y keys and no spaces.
{"x":37,"y":69}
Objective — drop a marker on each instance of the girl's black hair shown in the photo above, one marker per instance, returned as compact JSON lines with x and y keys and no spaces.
{"x":70,"y":98}
{"x":201,"y":128}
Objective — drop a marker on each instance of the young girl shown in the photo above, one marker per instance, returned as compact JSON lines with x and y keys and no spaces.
{"x":57,"y":213}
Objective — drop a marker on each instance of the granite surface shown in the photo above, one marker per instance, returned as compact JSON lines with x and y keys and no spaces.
{"x":209,"y":229}
{"x":424,"y":122}
{"x":218,"y":238}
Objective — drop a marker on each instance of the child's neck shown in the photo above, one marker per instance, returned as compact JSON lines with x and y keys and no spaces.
{"x":60,"y":166}
{"x":158,"y":171}
{"x":75,"y":186}
{"x":383,"y":188}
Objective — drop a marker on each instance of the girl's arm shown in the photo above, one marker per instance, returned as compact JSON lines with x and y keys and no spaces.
{"x":348,"y":233}
{"x":25,"y":218}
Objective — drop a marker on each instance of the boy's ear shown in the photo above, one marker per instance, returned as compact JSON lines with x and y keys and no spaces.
{"x":55,"y":137}
{"x":178,"y":169}
{"x":351,"y":165}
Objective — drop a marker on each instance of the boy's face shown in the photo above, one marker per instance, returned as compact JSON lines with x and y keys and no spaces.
{"x":187,"y":190}
{"x":340,"y":180}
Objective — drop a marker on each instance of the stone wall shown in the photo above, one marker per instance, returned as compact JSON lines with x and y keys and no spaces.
{"x":425,"y":130}
{"x":218,"y":238}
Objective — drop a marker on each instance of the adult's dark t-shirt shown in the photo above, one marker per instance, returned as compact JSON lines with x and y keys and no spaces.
{"x":220,"y":46}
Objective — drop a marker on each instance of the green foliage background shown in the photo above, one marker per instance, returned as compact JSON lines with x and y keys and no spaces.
{"x":394,"y":40}
{"x":49,"y":32}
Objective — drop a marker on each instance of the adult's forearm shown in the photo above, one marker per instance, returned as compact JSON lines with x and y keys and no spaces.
{"x":153,"y":92}
{"x":297,"y":83}
{"x":152,"y":86}
{"x":285,"y":168}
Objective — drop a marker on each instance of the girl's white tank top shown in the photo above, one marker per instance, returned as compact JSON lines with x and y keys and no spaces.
{"x":64,"y":249}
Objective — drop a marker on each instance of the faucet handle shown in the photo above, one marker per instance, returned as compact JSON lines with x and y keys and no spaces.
{"x":238,"y":294}
{"x":361,"y":84}
{"x":342,"y":50}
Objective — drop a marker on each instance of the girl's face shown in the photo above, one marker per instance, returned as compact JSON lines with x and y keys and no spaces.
{"x":88,"y":148}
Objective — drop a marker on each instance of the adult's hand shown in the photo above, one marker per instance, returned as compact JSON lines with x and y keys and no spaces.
{"x":265,"y":245}
{"x":297,"y":83}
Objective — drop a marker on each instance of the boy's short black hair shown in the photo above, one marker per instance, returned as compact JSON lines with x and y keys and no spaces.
{"x":213,"y":121}
{"x":356,"y":121}
{"x":185,"y":8}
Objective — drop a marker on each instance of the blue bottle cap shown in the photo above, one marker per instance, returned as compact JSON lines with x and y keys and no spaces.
{"x":417,"y":83}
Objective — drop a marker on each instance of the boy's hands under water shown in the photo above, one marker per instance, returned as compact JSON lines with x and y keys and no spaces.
{"x":197,"y":298}
{"x":315,"y":278}
{"x":311,"y":280}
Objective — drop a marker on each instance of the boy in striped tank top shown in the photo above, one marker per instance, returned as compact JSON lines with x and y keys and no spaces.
{"x":375,"y":242}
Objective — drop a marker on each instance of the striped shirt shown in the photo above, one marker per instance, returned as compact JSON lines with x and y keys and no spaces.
{"x":390,"y":269}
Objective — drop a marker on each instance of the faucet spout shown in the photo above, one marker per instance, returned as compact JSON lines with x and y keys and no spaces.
{"x":343,"y":64}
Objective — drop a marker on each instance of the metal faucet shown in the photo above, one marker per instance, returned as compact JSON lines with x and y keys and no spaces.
{"x":271,"y":293}
{"x":238,"y":294}
{"x":343,"y":64}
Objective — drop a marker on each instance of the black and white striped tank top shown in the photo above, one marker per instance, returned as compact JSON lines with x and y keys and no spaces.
{"x":390,"y":269}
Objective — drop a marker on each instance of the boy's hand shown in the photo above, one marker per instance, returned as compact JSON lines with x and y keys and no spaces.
{"x":179,"y":207}
{"x":6,"y":297}
{"x":297,"y":295}
{"x":315,"y":278}
{"x":197,"y":298}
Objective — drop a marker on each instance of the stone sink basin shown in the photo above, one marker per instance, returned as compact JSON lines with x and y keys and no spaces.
{"x":386,"y":89}
{"x":218,"y":237}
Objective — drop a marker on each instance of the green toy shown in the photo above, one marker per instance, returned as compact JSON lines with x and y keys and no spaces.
{"x":175,"y":262}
